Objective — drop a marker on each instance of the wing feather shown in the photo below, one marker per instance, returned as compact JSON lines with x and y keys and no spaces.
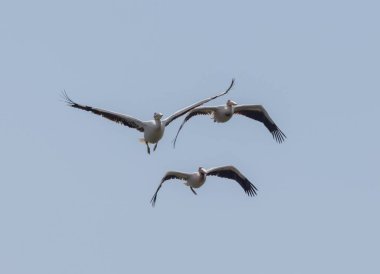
{"x":230,"y":172}
{"x":183,"y":111}
{"x":116,"y":117}
{"x":194,"y":112}
{"x":258,"y":113}
{"x":168,"y":176}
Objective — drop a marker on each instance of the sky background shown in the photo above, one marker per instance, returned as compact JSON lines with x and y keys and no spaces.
{"x":75,"y":188}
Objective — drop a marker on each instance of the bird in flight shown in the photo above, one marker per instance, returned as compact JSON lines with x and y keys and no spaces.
{"x":153,"y":129}
{"x":197,"y":179}
{"x":223,"y":113}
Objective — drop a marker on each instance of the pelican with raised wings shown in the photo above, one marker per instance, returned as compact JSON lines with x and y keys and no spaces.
{"x":154,"y":129}
{"x":197,"y":179}
{"x":222,"y":114}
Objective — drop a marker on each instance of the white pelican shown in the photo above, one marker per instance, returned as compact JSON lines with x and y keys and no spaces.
{"x":197,"y":179}
{"x":153,"y":129}
{"x":222,"y":114}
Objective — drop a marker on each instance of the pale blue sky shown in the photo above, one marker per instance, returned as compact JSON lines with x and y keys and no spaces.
{"x":75,"y":188}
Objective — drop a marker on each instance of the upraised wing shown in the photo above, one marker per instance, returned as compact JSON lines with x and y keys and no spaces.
{"x":258,"y":113}
{"x":169,"y":176}
{"x":194,"y":112}
{"x":116,"y":117}
{"x":183,"y":111}
{"x":230,"y":172}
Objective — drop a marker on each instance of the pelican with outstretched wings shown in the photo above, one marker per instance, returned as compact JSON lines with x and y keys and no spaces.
{"x":154,"y":129}
{"x":197,"y":179}
{"x":224,"y":113}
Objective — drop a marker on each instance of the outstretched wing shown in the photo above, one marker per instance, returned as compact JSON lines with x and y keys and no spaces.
{"x":194,"y":112}
{"x":258,"y":113}
{"x":230,"y":172}
{"x":169,"y":176}
{"x":183,"y":111}
{"x":116,"y":117}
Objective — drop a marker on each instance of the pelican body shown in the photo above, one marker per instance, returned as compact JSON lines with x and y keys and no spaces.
{"x":222,"y":114}
{"x":153,"y":129}
{"x":197,"y":179}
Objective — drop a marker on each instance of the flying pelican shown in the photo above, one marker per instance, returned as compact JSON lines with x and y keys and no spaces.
{"x":154,"y":129}
{"x":222,"y":114}
{"x":197,"y":179}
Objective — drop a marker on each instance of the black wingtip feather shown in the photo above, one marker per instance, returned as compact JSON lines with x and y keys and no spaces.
{"x":67,"y":99}
{"x":251,"y":190}
{"x":231,"y":85}
{"x":153,"y":200}
{"x":278,"y":135}
{"x":247,"y":186}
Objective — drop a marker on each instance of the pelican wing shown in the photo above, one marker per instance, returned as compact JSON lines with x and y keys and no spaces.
{"x":116,"y":117}
{"x":233,"y":173}
{"x":258,"y":113}
{"x":183,"y":111}
{"x":194,"y":112}
{"x":169,"y":176}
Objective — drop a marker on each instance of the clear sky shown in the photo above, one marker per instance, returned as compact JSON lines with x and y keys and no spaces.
{"x":75,"y":188}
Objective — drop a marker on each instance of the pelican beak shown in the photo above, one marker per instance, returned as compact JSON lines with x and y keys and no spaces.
{"x":158,"y":115}
{"x":231,"y":103}
{"x":202,"y":170}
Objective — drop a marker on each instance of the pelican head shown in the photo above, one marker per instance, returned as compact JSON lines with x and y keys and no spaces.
{"x":202,"y":171}
{"x":231,"y":103}
{"x":157,"y":116}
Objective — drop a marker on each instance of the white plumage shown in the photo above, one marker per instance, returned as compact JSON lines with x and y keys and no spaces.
{"x":197,"y":179}
{"x":222,"y":114}
{"x":154,"y":129}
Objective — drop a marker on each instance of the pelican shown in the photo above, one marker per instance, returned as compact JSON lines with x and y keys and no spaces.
{"x":197,"y":179}
{"x":222,"y":114}
{"x":154,"y":129}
